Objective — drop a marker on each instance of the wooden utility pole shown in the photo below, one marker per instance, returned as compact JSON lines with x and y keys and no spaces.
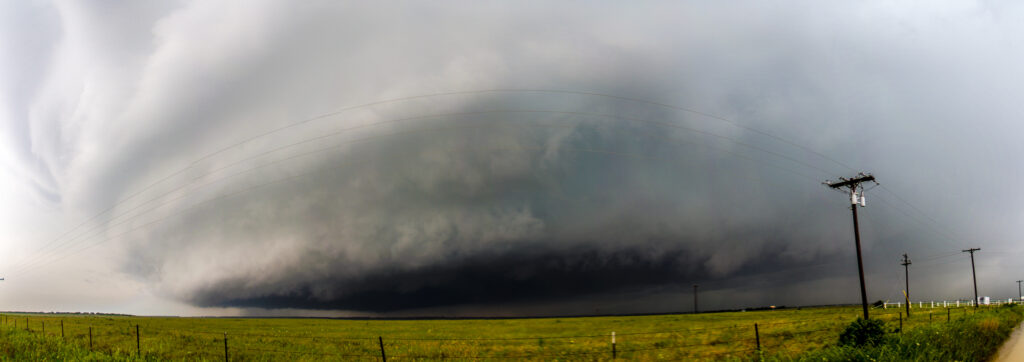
{"x":1019,"y":297}
{"x":906,"y":272}
{"x":853,"y":185}
{"x":695,"y":299}
{"x":973,"y":275}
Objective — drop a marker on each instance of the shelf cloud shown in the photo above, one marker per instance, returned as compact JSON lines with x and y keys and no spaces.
{"x":523,"y":158}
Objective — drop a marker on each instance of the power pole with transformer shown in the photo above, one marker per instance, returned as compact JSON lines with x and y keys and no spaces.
{"x":856,"y":191}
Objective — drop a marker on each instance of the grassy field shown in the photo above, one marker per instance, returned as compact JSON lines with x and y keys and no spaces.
{"x":784,"y":334}
{"x":974,"y":337}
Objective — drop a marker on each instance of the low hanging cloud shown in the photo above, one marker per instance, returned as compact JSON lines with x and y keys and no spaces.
{"x":216,"y":137}
{"x":481,"y":210}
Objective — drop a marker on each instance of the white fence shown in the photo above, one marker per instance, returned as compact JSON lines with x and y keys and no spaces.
{"x":949,"y":303}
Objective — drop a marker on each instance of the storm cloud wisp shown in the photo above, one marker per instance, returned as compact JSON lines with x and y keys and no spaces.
{"x":369,"y":159}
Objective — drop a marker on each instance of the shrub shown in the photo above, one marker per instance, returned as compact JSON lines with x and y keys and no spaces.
{"x":974,"y":337}
{"x":863,"y":332}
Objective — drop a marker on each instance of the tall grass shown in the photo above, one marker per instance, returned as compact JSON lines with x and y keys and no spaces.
{"x":20,"y":345}
{"x":975,"y":337}
{"x":809,"y":334}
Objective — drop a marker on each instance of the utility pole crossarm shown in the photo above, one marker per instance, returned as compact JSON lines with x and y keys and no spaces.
{"x":845,"y":182}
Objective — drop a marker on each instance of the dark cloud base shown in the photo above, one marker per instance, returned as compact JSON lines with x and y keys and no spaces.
{"x":482,"y":280}
{"x":493,"y":279}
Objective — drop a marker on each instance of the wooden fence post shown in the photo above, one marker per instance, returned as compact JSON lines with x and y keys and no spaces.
{"x":901,"y":322}
{"x":138,"y":347}
{"x":90,"y":338}
{"x":225,"y":346}
{"x":613,"y":345}
{"x":383,"y":357}
{"x":757,"y":337}
{"x":61,"y":329}
{"x":947,"y":315}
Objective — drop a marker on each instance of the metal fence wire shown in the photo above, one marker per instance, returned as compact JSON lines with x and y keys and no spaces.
{"x":138,"y":340}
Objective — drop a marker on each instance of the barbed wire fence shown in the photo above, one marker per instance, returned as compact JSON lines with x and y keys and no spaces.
{"x":738,"y":340}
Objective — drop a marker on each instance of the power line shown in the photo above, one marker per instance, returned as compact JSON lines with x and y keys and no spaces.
{"x":938,"y":264}
{"x":938,"y":227}
{"x":937,"y":257}
{"x":917,"y":222}
{"x":888,"y":226}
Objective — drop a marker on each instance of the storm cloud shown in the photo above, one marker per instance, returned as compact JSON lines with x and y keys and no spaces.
{"x":499,"y":157}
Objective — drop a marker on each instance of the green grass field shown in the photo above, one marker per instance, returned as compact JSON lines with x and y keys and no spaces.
{"x":784,"y":334}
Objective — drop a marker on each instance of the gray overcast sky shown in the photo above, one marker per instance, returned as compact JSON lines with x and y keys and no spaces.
{"x":502,"y":158}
